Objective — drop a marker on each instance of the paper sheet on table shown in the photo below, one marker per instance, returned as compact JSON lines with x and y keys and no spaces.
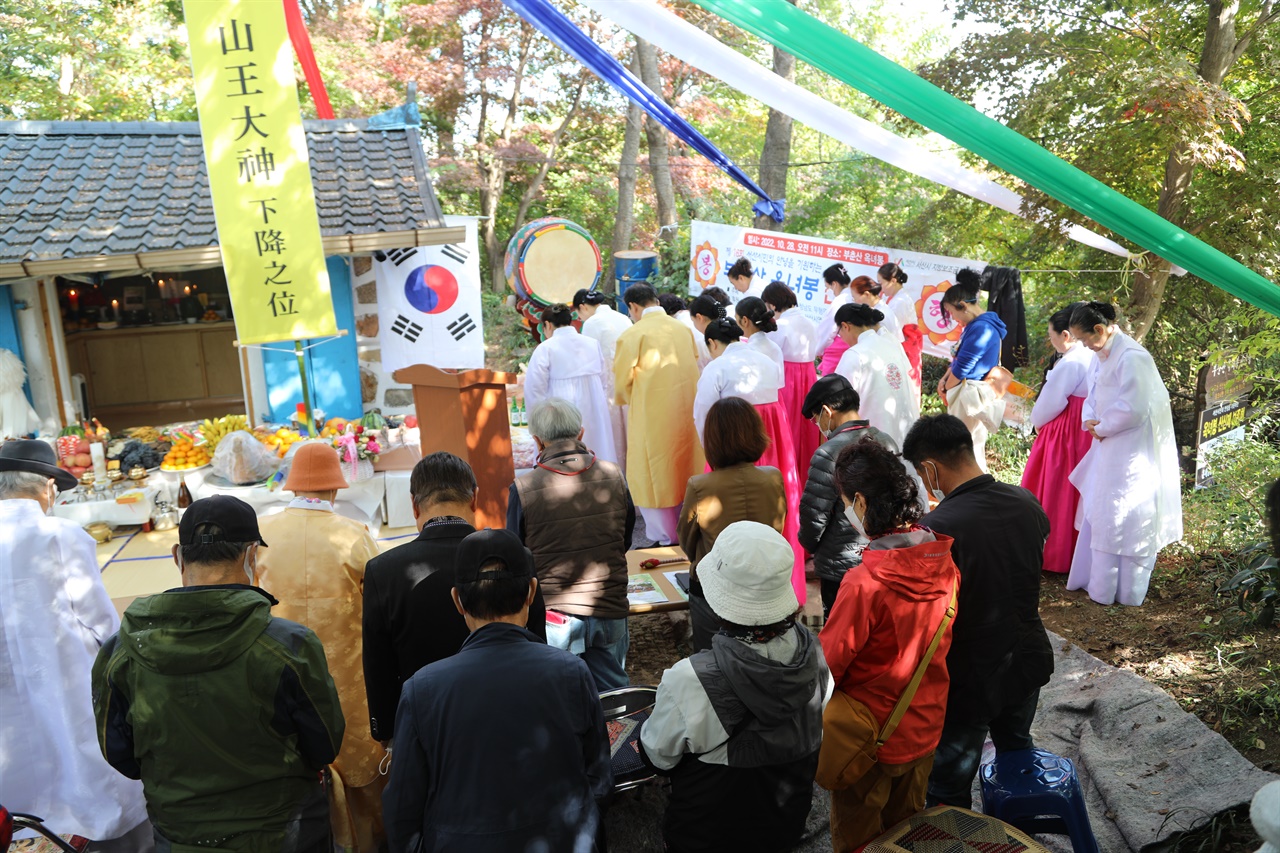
{"x":641,"y":589}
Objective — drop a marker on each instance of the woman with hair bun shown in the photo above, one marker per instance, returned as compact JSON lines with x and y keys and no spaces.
{"x":965,"y":389}
{"x":830,"y":345}
{"x":892,"y":279}
{"x":877,"y":368}
{"x":742,"y":276}
{"x":797,"y":338}
{"x":738,"y":370}
{"x":1129,"y":481}
{"x":1060,"y":443}
{"x":604,"y":325}
{"x":755,"y":318}
{"x":572,"y":367}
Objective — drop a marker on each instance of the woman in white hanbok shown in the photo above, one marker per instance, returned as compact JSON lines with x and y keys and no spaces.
{"x":1129,"y":481}
{"x":572,"y":367}
{"x":756,"y":321}
{"x":830,"y":345}
{"x":603,"y":324}
{"x":878,"y":370}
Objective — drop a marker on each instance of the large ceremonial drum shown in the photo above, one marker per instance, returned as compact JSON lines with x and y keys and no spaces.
{"x":549,"y":260}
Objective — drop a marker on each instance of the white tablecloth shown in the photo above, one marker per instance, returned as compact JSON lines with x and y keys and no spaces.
{"x":109,"y":511}
{"x":366,"y":496}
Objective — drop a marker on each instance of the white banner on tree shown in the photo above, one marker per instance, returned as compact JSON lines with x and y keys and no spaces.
{"x":798,"y":261}
{"x":429,"y":304}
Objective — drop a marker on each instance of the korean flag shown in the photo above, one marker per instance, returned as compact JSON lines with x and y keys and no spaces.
{"x":429,"y":304}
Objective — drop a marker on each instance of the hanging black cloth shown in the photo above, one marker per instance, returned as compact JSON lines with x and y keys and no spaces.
{"x":1005,"y":286}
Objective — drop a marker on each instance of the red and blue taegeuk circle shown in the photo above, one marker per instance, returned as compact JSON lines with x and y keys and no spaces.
{"x":432,"y":289}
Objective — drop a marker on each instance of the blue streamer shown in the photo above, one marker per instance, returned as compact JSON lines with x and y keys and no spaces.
{"x":554,"y":25}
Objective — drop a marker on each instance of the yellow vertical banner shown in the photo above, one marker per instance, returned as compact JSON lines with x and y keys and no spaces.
{"x":256,"y":154}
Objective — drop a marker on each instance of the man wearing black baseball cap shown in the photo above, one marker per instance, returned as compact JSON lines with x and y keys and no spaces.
{"x":231,"y":711}
{"x":832,"y":405}
{"x":502,"y":746}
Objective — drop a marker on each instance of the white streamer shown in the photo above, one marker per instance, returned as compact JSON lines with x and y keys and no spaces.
{"x":667,"y":30}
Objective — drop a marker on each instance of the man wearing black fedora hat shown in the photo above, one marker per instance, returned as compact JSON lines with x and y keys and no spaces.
{"x":56,"y":615}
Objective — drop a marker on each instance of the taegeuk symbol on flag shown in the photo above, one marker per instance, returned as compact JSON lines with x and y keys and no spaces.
{"x":429,"y":306}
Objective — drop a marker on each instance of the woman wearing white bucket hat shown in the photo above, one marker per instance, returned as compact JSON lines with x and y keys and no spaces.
{"x":738,"y":727}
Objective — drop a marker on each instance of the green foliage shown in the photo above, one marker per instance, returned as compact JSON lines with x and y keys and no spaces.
{"x":1254,"y":583}
{"x":508,"y":343}
{"x":114,"y":60}
{"x":1229,"y":515}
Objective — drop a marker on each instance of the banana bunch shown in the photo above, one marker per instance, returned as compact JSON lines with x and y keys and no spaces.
{"x":214,"y":430}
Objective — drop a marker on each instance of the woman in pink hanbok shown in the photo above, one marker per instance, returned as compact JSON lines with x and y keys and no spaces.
{"x":1060,"y":443}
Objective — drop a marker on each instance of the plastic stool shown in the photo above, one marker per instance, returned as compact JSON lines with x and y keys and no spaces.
{"x":1038,"y":792}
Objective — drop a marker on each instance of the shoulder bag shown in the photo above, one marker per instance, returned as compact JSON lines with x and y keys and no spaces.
{"x":851,"y":736}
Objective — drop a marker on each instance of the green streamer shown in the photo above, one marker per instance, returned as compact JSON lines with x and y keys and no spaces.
{"x":855,"y":64}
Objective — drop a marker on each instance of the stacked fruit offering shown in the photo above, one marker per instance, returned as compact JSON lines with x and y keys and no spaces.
{"x":184,"y":456}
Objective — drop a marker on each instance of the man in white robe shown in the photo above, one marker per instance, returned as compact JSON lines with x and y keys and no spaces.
{"x":56,"y":615}
{"x":571,"y":367}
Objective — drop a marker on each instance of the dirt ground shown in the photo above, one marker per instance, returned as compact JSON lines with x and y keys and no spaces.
{"x":1192,"y":643}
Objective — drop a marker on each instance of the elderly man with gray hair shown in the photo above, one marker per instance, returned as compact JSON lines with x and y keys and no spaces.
{"x":57,"y":614}
{"x":574,"y":512}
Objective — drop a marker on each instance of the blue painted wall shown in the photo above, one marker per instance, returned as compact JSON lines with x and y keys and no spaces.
{"x":10,"y":337}
{"x":333,"y":367}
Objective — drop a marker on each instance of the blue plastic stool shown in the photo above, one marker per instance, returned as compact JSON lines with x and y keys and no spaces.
{"x":1038,"y":792}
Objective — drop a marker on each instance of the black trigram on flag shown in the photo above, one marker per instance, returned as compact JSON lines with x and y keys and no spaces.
{"x":405,"y":329}
{"x":399,"y":256}
{"x":461,"y":327}
{"x":455,"y":252}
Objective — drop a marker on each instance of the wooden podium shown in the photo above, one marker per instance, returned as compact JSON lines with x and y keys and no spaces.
{"x":466,"y":414}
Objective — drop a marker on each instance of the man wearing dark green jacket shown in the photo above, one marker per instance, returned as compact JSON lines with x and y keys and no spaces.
{"x":226,"y":714}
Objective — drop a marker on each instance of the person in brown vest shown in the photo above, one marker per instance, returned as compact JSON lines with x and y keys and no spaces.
{"x":575,"y":513}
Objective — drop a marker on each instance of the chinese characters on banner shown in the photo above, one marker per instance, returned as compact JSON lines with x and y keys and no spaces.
{"x":256,"y":154}
{"x":798,"y":261}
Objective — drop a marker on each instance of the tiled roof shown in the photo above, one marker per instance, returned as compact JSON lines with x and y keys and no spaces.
{"x":90,"y":189}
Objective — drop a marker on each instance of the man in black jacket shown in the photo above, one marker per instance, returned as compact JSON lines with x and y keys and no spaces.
{"x":1000,"y":655}
{"x":825,"y":533}
{"x":409,"y":617}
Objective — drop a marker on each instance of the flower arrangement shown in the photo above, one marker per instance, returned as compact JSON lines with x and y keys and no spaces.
{"x":357,"y":444}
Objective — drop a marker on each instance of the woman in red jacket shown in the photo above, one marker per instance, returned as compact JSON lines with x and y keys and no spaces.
{"x":883,"y":620}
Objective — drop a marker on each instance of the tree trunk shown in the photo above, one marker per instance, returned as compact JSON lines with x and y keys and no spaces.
{"x":492,"y":164}
{"x":624,"y":222}
{"x":776,"y":152}
{"x":1220,"y":51}
{"x":659,"y":154}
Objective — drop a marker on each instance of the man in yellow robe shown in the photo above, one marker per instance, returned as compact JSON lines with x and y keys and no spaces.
{"x":317,"y":573}
{"x":656,"y":373}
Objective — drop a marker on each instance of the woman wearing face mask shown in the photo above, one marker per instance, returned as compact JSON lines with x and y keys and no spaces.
{"x":832,"y":406}
{"x":892,"y":279}
{"x":797,"y":338}
{"x":877,"y":368}
{"x":755,"y":318}
{"x":1131,"y":506}
{"x":1060,"y":443}
{"x":830,"y":346}
{"x":880,"y":630}
{"x":738,"y":370}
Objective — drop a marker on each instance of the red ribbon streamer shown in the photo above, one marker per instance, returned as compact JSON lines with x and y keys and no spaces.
{"x":307,"y":58}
